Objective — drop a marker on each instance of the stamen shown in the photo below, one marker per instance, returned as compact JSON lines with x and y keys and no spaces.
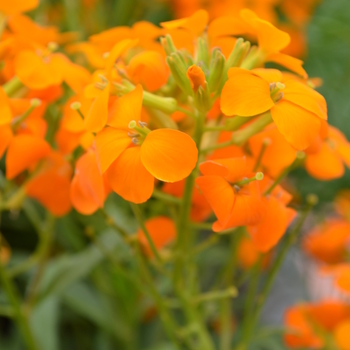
{"x":272,"y":86}
{"x":132,"y":124}
{"x":237,"y":188}
{"x":135,"y":141}
{"x":142,"y":124}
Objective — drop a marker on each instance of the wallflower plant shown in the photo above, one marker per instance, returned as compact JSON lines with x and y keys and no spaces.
{"x":181,"y":129}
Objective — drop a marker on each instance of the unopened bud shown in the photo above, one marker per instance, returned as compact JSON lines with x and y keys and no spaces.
{"x":202,"y":51}
{"x":202,"y":99}
{"x":196,"y":77}
{"x":168,"y":44}
{"x":217,"y":66}
{"x":178,"y":70}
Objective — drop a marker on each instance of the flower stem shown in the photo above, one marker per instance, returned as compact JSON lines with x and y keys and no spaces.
{"x":139,"y":217}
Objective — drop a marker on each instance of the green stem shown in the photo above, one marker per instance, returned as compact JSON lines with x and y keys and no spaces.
{"x":18,"y":314}
{"x":167,"y":319}
{"x":241,"y":136}
{"x":12,"y":86}
{"x":165,"y":197}
{"x":249,"y":303}
{"x":226,"y":276}
{"x":185,"y":111}
{"x":139,"y":217}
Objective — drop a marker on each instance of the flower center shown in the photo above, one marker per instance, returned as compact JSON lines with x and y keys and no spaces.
{"x":275,"y":91}
{"x":138,"y":132}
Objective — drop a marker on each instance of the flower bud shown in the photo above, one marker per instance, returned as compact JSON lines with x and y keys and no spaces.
{"x":177,"y":66}
{"x":168,"y":44}
{"x":196,"y":77}
{"x":202,"y":98}
{"x":202,"y":51}
{"x":217,"y":65}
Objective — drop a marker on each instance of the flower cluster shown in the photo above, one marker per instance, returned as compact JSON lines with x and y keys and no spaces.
{"x":186,"y":118}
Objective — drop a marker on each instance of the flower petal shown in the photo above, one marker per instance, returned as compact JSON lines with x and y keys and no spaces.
{"x":219,"y":194}
{"x":195,"y":23}
{"x":298,"y":126}
{"x":126,"y":109}
{"x":162,"y":231}
{"x":23,"y":152}
{"x":169,"y":155}
{"x":248,"y":209}
{"x":305,"y":97}
{"x":98,"y":113}
{"x":129,"y":178}
{"x":149,"y":69}
{"x":245,"y":94}
{"x":87,"y":190}
{"x":325,"y":165}
{"x":110,"y":143}
{"x":293,"y":64}
{"x":271,"y":228}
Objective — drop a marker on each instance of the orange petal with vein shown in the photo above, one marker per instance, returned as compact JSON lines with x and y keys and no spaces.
{"x":129,"y":178}
{"x":219,"y":194}
{"x":169,"y":155}
{"x":270,"y":229}
{"x":110,"y":143}
{"x":98,"y":113}
{"x":298,"y":126}
{"x":245,"y":94}
{"x":305,"y":97}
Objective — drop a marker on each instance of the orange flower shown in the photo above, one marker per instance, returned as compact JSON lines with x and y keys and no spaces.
{"x":269,"y":230}
{"x":271,"y":40}
{"x":162,"y":231}
{"x":39,"y":70}
{"x":149,"y":69}
{"x":233,"y":204}
{"x":327,"y":243}
{"x":278,"y":153}
{"x":87,"y":191}
{"x":134,"y":155}
{"x":327,"y":162}
{"x":18,"y":6}
{"x":51,"y":185}
{"x":341,"y":335}
{"x":303,"y":319}
{"x":296,"y":109}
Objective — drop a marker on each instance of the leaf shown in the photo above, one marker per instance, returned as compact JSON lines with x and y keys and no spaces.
{"x":44,"y":323}
{"x":68,"y":269}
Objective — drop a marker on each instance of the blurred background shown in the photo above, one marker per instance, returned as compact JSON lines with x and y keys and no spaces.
{"x":76,"y":314}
